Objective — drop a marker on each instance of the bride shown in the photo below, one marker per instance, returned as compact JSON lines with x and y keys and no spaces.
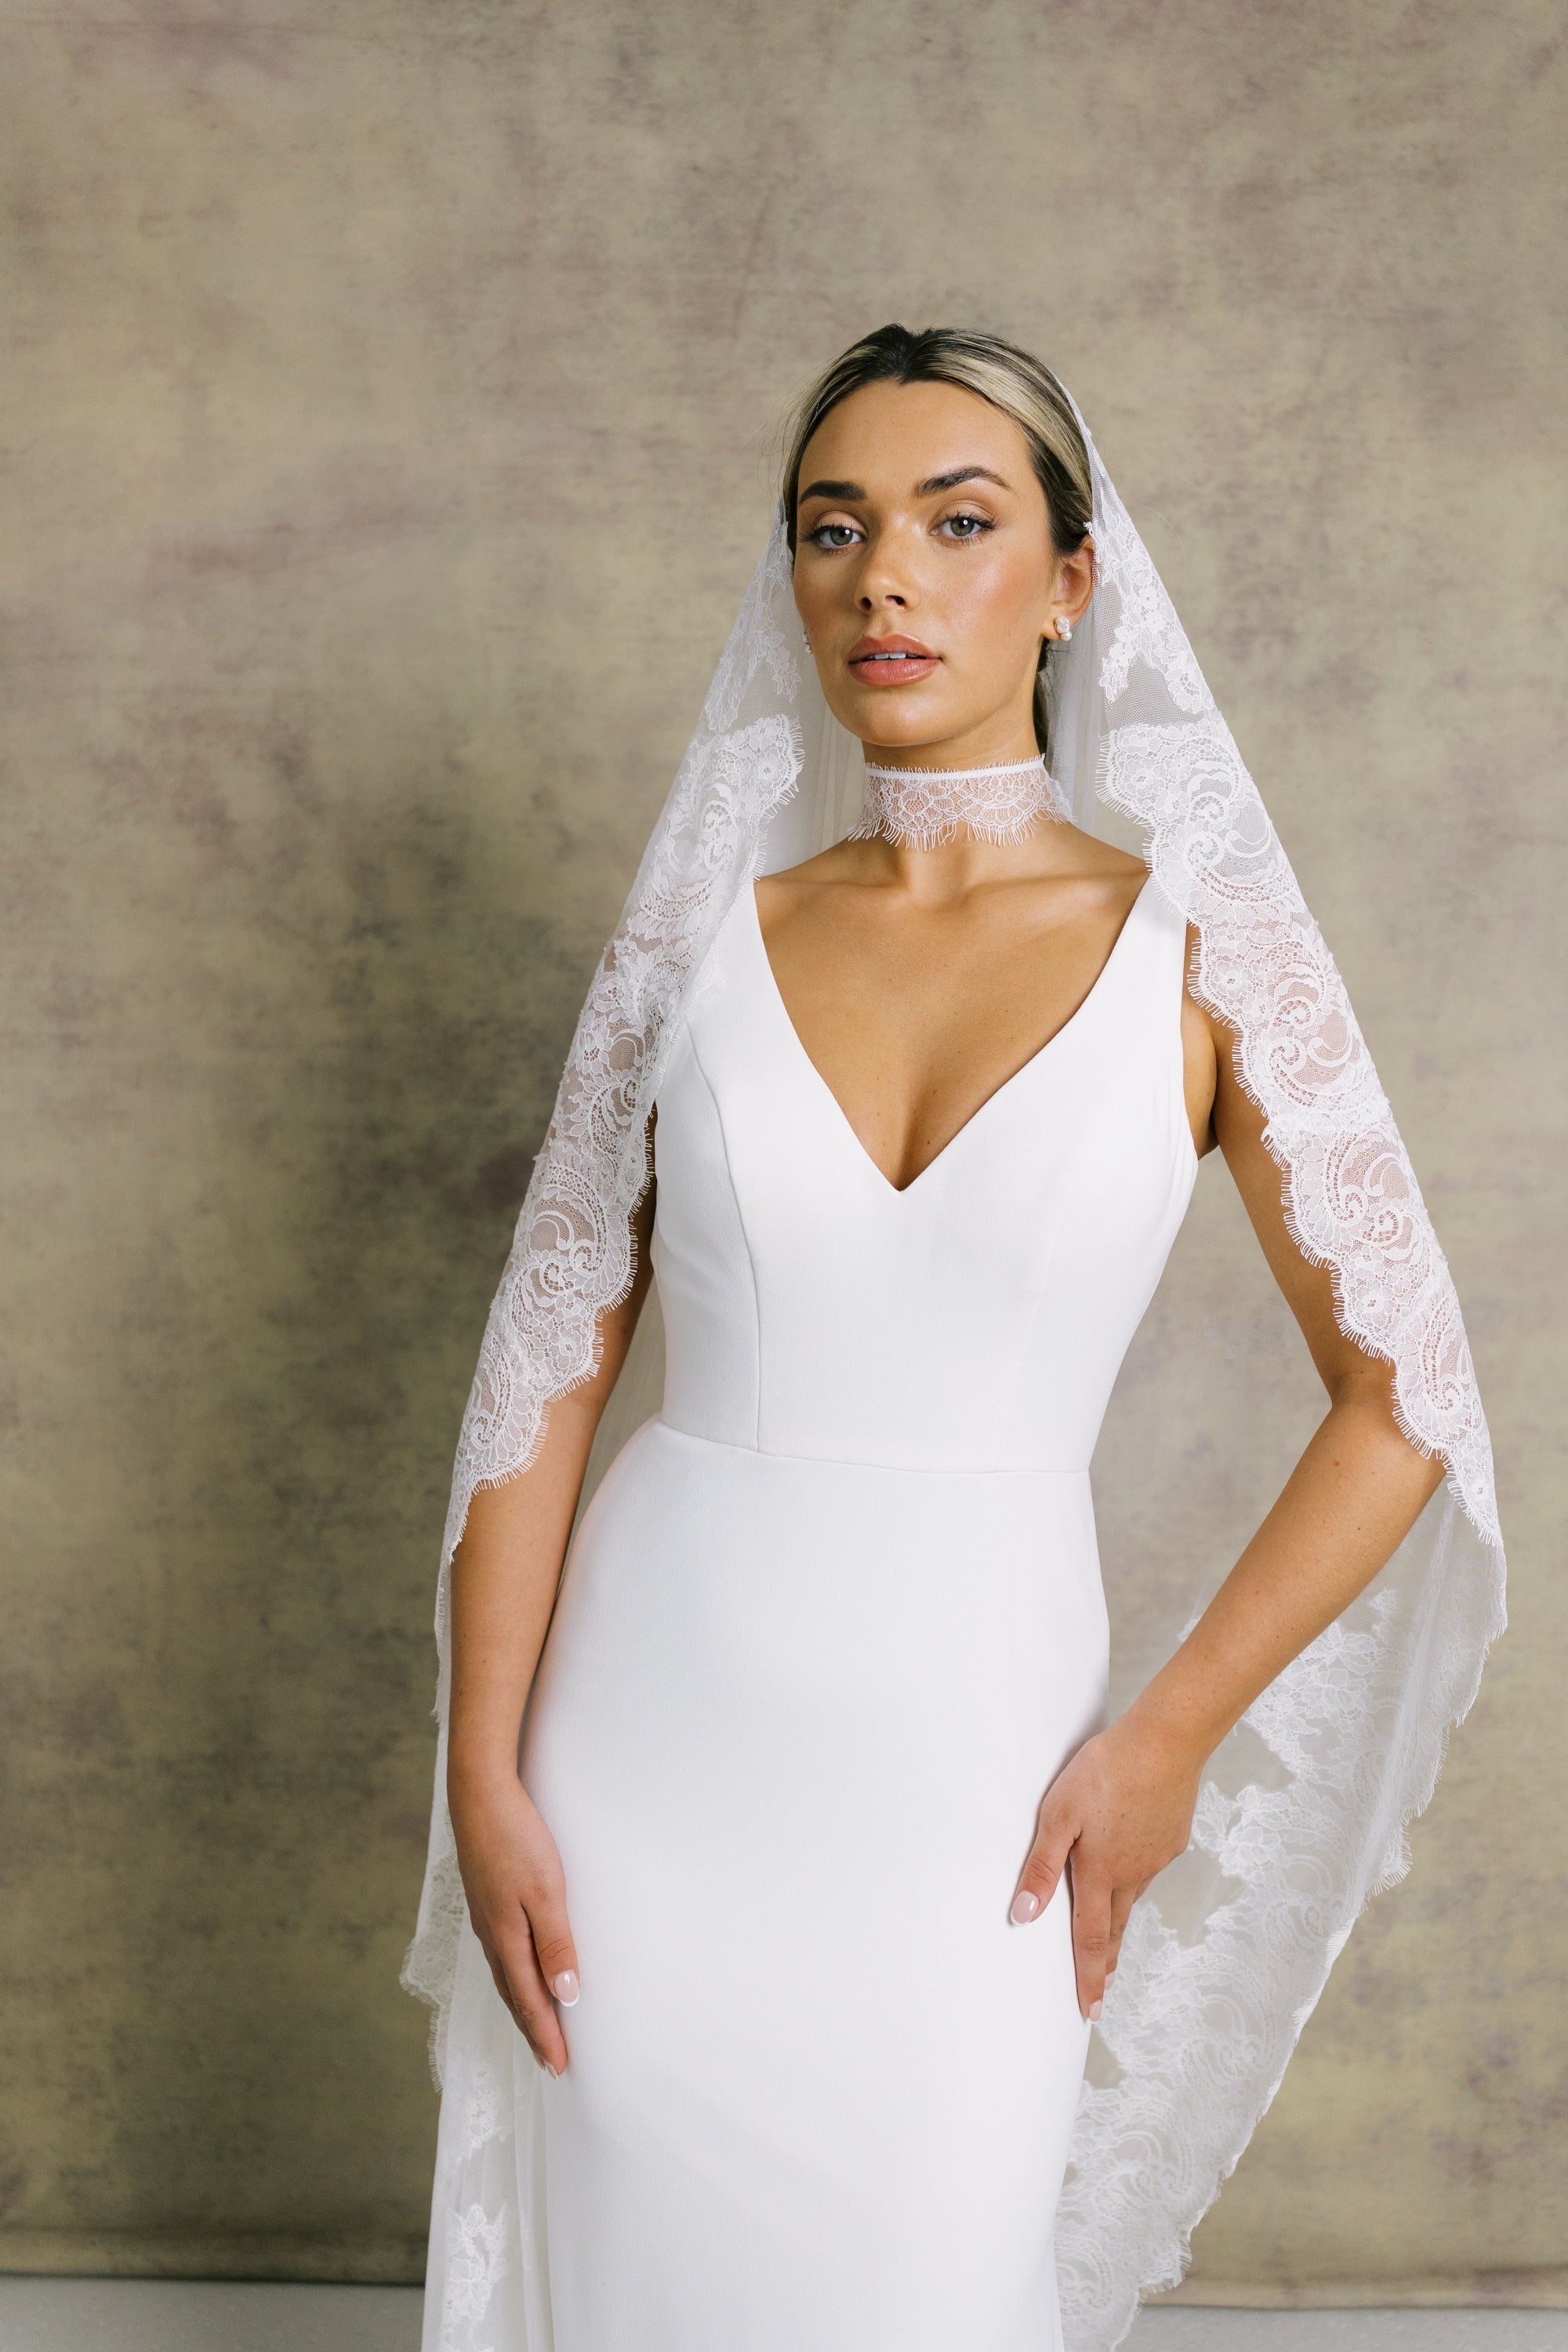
{"x":784,"y":1902}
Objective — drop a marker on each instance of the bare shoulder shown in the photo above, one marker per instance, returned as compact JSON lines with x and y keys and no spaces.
{"x":1102,"y":858}
{"x":1115,"y":871}
{"x":1096,"y":873}
{"x":846,"y":862}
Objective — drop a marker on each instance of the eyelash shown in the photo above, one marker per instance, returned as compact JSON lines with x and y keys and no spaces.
{"x":982,"y":524}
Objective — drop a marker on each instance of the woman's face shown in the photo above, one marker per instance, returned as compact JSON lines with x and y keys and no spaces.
{"x":925,"y":574}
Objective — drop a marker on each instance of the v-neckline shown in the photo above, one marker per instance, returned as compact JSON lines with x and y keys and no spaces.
{"x":903,"y":1192}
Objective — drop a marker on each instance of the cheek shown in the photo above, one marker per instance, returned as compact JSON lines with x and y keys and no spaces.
{"x":997,"y":608}
{"x":818,"y":592}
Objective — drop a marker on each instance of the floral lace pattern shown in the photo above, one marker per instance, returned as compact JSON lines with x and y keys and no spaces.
{"x":482,"y":2114}
{"x":488,"y":2287}
{"x":1352,"y":1200}
{"x":1303,"y":1810}
{"x":1147,"y":630}
{"x":923,"y":807}
{"x":476,"y":2264}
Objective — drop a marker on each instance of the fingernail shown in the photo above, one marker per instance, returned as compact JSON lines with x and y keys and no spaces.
{"x":553,"y":2072}
{"x":1024,"y":1906}
{"x":1094,"y":2009}
{"x":565,"y":1988}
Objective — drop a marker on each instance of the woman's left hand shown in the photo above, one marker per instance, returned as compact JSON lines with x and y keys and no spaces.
{"x":1122,"y":1809}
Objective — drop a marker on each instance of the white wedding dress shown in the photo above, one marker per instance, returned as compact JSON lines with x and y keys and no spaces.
{"x":831,"y":1624}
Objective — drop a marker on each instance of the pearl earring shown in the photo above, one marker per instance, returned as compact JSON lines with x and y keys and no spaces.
{"x":1064,"y":628}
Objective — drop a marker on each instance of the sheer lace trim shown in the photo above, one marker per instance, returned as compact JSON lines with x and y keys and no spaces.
{"x":1352,"y":1202}
{"x":921,"y":808}
{"x":476,"y":2264}
{"x":1147,"y":631}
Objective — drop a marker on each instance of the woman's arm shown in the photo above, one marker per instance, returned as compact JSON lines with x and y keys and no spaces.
{"x":1122,"y":1807}
{"x":505,"y":1573}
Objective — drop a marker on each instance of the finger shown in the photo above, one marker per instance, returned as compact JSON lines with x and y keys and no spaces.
{"x":1042,"y":1874}
{"x":508,"y":1998}
{"x":527,"y":1996}
{"x":1122,"y":1898}
{"x":1090,"y":1933}
{"x":546,"y":1908}
{"x":1137,"y":1895}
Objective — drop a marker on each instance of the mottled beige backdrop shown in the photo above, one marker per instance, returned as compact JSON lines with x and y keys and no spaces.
{"x":389,"y":398}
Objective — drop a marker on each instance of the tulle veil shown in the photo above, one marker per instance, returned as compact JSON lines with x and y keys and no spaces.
{"x":1303,"y":1811}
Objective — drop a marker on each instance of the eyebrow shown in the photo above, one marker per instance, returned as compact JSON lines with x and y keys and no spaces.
{"x":931,"y":488}
{"x":939,"y":482}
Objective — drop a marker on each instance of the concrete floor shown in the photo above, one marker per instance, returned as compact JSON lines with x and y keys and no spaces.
{"x":39,"y":2315}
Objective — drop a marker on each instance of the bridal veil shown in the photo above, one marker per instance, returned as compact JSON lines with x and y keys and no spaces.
{"x":1303,"y":1810}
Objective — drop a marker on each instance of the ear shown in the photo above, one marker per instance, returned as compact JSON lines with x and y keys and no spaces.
{"x":1074,"y":584}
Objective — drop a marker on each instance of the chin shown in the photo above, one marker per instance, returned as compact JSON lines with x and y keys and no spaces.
{"x":898,"y":722}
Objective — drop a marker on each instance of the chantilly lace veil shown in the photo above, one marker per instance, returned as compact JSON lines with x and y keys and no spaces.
{"x":1303,"y":1810}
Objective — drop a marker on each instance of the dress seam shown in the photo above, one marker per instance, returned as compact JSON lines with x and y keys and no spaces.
{"x":1188,"y":1151}
{"x":841,"y":1462}
{"x":745,"y":1237}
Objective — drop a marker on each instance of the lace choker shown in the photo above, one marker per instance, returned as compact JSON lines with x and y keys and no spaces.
{"x":921,"y":808}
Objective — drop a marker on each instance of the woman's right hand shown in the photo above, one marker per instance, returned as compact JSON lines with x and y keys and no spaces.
{"x":516,"y":1891}
{"x":506,"y":1575}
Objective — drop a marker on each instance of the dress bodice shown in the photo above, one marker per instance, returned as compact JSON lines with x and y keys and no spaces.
{"x":974,"y":1321}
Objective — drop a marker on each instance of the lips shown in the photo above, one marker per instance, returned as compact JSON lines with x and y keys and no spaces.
{"x":891,"y":661}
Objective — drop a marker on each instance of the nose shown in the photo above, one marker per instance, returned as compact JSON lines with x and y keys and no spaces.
{"x":886,"y":580}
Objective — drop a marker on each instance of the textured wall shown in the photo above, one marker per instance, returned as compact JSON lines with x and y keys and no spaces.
{"x":387,"y":412}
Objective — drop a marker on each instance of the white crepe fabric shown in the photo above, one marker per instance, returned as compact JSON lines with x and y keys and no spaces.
{"x":1302,"y":1814}
{"x":830,"y":1625}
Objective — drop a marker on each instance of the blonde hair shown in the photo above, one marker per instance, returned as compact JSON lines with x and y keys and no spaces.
{"x":1012,"y":379}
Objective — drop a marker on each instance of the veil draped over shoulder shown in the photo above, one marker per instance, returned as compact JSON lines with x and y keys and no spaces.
{"x":1302,"y":1814}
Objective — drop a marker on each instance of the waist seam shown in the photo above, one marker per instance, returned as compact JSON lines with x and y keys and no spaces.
{"x":842,"y":1462}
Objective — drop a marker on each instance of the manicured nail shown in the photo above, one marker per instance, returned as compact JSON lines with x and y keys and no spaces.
{"x":553,"y":2072}
{"x":1094,"y":2009}
{"x":565,"y":1988}
{"x":1024,"y":1906}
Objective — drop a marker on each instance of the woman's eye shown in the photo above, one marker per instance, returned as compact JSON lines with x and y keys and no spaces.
{"x":833,"y":534}
{"x":965,"y":526}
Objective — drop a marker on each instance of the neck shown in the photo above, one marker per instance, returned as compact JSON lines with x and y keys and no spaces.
{"x":984,"y":747}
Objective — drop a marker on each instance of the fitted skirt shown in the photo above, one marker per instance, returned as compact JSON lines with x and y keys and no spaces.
{"x":790,"y":1732}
